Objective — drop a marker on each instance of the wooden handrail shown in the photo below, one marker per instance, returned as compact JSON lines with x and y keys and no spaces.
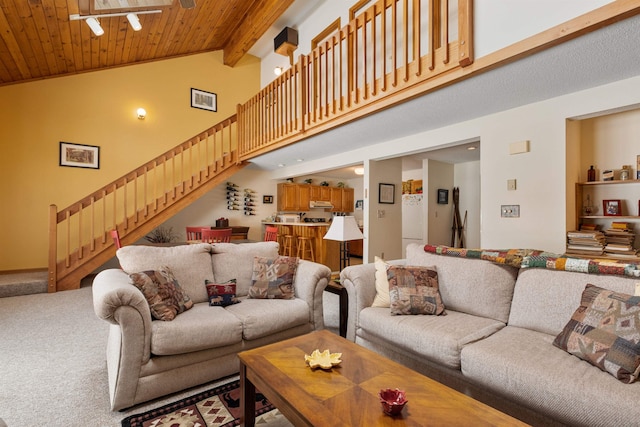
{"x":356,"y":66}
{"x":133,"y":203}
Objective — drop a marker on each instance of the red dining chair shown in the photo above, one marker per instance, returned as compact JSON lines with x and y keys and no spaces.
{"x":218,"y":235}
{"x":271,"y":233}
{"x":195,"y":233}
{"x":116,"y":238}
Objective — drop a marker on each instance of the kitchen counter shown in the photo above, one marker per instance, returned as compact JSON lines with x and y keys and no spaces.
{"x":327,"y":252}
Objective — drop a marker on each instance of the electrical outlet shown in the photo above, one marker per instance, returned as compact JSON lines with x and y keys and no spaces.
{"x":510,"y":211}
{"x":511,"y":184}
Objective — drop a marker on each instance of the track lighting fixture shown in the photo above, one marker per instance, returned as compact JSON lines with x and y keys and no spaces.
{"x":92,"y":20}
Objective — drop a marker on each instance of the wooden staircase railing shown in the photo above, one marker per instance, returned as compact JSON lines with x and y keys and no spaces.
{"x":79,"y":240}
{"x":392,"y":46}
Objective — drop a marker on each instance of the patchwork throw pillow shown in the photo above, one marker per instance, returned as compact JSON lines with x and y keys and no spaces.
{"x":605,"y":331}
{"x":222,"y":294}
{"x":382,"y":284}
{"x":414,"y":290}
{"x":273,"y":278}
{"x":163,"y":293}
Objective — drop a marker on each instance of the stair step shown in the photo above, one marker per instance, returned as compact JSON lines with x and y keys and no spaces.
{"x":15,"y":284}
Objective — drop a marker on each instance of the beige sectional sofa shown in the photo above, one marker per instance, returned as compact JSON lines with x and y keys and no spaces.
{"x":149,"y":358}
{"x":496,"y":341}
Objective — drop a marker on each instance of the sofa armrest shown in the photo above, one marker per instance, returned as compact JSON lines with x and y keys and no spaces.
{"x":117,"y":301}
{"x":309,"y":283}
{"x":360,"y":283}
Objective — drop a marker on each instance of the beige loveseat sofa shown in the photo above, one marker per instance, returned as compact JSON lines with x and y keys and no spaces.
{"x":148,"y":358}
{"x":496,"y":341}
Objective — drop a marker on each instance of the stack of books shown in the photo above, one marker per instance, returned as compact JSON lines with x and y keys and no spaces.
{"x":620,"y":238}
{"x":586,"y":241}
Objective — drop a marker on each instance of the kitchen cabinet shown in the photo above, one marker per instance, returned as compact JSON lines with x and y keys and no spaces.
{"x":293,"y":197}
{"x":320,"y":193}
{"x":347,"y":200}
{"x":336,"y":199}
{"x":356,"y":247}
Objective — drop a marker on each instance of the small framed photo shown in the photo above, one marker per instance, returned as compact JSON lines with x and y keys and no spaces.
{"x":612,"y":207}
{"x":359,"y":205}
{"x":267,"y":200}
{"x":443,"y":196}
{"x":79,"y":155}
{"x":204,"y":100}
{"x":386,"y":193}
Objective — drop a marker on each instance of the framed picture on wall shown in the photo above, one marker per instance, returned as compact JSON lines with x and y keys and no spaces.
{"x":386,"y":193}
{"x":204,"y":100}
{"x":443,"y":196}
{"x":79,"y":155}
{"x":267,"y":200}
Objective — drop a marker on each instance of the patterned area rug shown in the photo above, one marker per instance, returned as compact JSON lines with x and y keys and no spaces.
{"x":218,"y":407}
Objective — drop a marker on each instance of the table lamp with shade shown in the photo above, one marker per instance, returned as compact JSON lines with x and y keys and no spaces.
{"x":343,"y":229}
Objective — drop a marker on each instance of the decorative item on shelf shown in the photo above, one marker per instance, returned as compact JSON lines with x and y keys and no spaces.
{"x":222,"y":222}
{"x":232,"y":197}
{"x":591,"y":174}
{"x":249,"y":202}
{"x":324,"y":184}
{"x":607,"y":175}
{"x":588,"y":209}
{"x":324,"y":360}
{"x":290,"y":180}
{"x":612,"y":207}
{"x":308,"y":181}
{"x":624,"y":173}
{"x":341,"y":184}
{"x":392,"y":400}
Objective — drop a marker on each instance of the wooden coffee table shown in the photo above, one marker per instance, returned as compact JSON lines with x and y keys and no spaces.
{"x":347,"y":395}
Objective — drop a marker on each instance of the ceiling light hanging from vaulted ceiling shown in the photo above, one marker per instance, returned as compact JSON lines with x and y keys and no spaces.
{"x":94,"y":24}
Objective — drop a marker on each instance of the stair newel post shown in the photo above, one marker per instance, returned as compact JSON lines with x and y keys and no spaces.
{"x":53,"y":248}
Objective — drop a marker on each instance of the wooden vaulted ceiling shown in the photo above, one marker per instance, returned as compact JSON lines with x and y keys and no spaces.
{"x":38,"y":40}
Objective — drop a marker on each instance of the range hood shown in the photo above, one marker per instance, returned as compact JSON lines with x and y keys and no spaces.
{"x":320,"y":204}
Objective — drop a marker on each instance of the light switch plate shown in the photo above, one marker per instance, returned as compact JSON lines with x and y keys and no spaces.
{"x":510,"y":211}
{"x":511,"y":184}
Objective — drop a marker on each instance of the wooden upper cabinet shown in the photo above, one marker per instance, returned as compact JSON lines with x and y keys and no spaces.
{"x":347,"y":200}
{"x":336,"y":199}
{"x":293,"y":197}
{"x":320,"y":193}
{"x":304,"y":197}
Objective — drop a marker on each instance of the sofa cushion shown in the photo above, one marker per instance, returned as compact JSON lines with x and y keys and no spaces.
{"x":261,"y":317}
{"x":163,"y":293}
{"x":544,"y":300}
{"x":382,"y":298}
{"x":190,"y":264}
{"x":604,"y":332}
{"x":473,"y":286}
{"x":235,"y":261}
{"x":273,"y":278}
{"x":523,"y":366}
{"x":436,"y":338}
{"x":203,"y":327}
{"x":414,"y":290}
{"x":222,"y":294}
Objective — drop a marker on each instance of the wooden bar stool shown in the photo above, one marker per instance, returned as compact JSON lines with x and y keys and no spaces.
{"x":285,"y":234}
{"x":305,"y":247}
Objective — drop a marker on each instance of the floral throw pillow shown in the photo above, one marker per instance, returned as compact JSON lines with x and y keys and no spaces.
{"x":605,"y":331}
{"x":163,"y":293}
{"x":222,"y":294}
{"x":273,"y":278}
{"x":414,"y":290}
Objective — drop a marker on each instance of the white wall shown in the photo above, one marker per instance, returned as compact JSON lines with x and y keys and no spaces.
{"x":466,"y":176}
{"x":439,"y":175}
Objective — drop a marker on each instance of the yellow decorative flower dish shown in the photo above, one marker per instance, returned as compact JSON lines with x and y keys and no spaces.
{"x":324,"y":360}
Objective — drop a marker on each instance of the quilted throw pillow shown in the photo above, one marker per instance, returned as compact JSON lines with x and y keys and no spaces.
{"x":605,"y":331}
{"x":222,"y":294}
{"x":273,"y":278}
{"x":414,"y":290}
{"x":163,"y":293}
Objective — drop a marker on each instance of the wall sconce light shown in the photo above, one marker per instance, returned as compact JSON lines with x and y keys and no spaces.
{"x":142,"y":113}
{"x":278,"y":70}
{"x":359,"y":171}
{"x":92,"y":20}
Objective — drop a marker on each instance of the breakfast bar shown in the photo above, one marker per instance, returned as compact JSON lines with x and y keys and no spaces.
{"x":326,"y":252}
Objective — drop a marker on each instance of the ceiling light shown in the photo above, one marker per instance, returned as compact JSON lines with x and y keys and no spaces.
{"x":95,"y":26}
{"x":473,"y":147}
{"x":134,"y":21}
{"x":299,"y":160}
{"x":359,"y":171}
{"x":142,"y":113}
{"x":278,"y":70}
{"x":281,"y":165}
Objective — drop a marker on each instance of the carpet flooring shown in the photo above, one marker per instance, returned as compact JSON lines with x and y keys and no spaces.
{"x":218,"y":407}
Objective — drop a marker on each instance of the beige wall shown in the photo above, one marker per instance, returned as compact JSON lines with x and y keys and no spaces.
{"x":98,"y":108}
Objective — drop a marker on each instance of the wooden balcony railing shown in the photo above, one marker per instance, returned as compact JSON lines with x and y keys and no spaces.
{"x":134,"y":204}
{"x":391,"y":46}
